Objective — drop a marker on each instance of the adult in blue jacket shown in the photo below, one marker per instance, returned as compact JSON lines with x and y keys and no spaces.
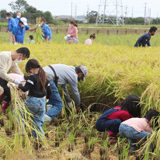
{"x":21,"y":29}
{"x":12,"y":28}
{"x":145,"y":39}
{"x":47,"y":35}
{"x":18,"y":18}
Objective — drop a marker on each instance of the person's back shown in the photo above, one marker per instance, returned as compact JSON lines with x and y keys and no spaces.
{"x":65,"y":73}
{"x":145,"y":39}
{"x":88,"y":41}
{"x":47,"y":31}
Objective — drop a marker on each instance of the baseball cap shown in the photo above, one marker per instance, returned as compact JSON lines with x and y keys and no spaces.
{"x":24,"y":20}
{"x":84,"y":71}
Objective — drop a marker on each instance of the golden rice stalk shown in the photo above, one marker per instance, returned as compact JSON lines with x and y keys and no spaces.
{"x":39,"y":33}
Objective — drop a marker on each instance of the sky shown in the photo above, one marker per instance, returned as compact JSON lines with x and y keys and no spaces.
{"x":63,"y":7}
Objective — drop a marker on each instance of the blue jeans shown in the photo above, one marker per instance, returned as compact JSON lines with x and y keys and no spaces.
{"x":133,"y":135}
{"x":37,"y":107}
{"x":55,"y":100}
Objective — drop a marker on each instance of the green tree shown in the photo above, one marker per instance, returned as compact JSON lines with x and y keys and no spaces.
{"x":91,"y":16}
{"x":48,"y":17}
{"x":3,"y":13}
{"x":19,"y":5}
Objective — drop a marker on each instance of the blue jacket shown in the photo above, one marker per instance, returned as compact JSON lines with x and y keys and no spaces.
{"x":20,"y":34}
{"x":12,"y":27}
{"x":143,"y":40}
{"x":17,"y":20}
{"x":46,"y":31}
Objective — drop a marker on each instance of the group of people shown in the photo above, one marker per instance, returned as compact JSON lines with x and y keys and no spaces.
{"x":18,"y":26}
{"x":40,"y":82}
{"x":125,"y":119}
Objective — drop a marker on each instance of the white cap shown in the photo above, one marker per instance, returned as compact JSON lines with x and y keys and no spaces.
{"x":24,"y":20}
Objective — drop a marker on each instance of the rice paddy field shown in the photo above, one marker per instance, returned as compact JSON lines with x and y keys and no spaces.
{"x":116,"y":69}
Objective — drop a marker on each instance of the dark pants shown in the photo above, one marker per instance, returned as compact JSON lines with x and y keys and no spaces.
{"x":7,"y":92}
{"x":108,"y":124}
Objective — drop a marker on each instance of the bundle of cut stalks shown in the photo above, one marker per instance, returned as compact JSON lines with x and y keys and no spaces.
{"x":38,"y":31}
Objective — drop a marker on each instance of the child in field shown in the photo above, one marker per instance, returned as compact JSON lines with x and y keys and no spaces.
{"x":112,"y":118}
{"x":139,"y":128}
{"x":37,"y":85}
{"x":89,"y":40}
{"x":31,"y":40}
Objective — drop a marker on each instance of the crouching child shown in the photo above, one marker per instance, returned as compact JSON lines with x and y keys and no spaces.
{"x":111,"y":119}
{"x":38,"y":87}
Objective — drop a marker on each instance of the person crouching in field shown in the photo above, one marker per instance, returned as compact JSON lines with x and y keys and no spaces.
{"x":37,"y":85}
{"x":31,"y":40}
{"x":145,"y":39}
{"x":112,"y":118}
{"x":90,"y":39}
{"x":72,"y":33}
{"x":139,"y":128}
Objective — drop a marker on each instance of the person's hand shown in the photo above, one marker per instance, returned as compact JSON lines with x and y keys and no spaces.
{"x":36,"y":25}
{"x":17,"y":81}
{"x":16,"y":86}
{"x":70,"y":104}
{"x":78,"y":108}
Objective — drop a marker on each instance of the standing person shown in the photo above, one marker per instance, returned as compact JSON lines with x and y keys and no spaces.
{"x":112,"y":118}
{"x":12,"y":28}
{"x":17,"y":19}
{"x":38,"y":86}
{"x":72,"y":33}
{"x":8,"y":61}
{"x":64,"y":75}
{"x":139,"y":128}
{"x":90,"y":39}
{"x":21,"y":29}
{"x":145,"y":39}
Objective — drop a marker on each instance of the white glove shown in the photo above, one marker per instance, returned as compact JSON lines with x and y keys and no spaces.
{"x":15,"y":43}
{"x":36,"y":25}
{"x":70,"y":105}
{"x":17,"y":81}
{"x":39,"y":25}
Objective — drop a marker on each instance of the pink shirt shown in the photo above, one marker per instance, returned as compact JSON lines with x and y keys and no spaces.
{"x":73,"y":32}
{"x":88,"y":41}
{"x":122,"y":114}
{"x":139,"y":124}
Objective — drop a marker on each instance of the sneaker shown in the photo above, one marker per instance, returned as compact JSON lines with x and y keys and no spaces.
{"x":47,"y":118}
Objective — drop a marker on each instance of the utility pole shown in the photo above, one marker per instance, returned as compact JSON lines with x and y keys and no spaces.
{"x":75,"y":11}
{"x":71,"y":9}
{"x":116,"y":13}
{"x":122,"y":13}
{"x":126,"y":11}
{"x":104,"y":11}
{"x":145,"y":13}
{"x":87,"y":9}
{"x":150,"y":16}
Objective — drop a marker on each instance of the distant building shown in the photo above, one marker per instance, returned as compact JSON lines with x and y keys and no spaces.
{"x":64,"y":17}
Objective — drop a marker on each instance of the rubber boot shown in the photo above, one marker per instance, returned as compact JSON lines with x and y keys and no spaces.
{"x":4,"y":106}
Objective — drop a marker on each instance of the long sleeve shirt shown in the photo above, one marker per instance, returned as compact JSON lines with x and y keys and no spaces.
{"x":143,"y":40}
{"x":6,"y":64}
{"x":67,"y":75}
{"x":139,"y":124}
{"x":34,"y":87}
{"x":73,"y":32}
{"x":46,"y":31}
{"x":12,"y":26}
